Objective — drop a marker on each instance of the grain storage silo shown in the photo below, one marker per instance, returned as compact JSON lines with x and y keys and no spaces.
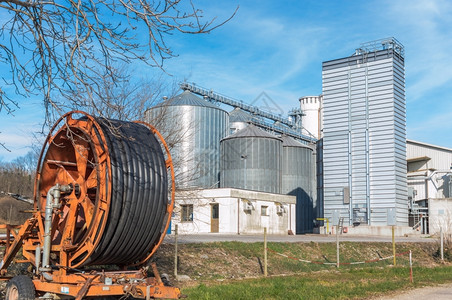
{"x":298,"y":179}
{"x":238,"y":119}
{"x":251,"y":160}
{"x":193,"y":128}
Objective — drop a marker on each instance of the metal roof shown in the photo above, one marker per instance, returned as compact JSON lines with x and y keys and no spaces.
{"x":187,"y":98}
{"x":413,"y":142}
{"x":290,"y":142}
{"x":238,"y":115}
{"x":251,"y":131}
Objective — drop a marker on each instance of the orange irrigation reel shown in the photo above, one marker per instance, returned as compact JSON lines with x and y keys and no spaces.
{"x":101,"y":198}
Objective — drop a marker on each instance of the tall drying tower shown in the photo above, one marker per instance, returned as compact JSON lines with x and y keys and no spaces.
{"x":365,"y":135}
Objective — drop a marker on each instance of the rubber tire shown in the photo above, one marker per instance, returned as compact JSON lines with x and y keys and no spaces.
{"x":24,"y":286}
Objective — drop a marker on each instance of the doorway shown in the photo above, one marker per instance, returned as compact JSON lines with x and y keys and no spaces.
{"x":214,"y":219}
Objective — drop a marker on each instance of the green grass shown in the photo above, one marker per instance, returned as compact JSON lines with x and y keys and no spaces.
{"x":228,"y":264}
{"x":334,"y":284}
{"x":232,"y":260}
{"x":233,"y":270}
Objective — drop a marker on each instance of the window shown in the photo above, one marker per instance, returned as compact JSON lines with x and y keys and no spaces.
{"x":187,"y":213}
{"x":215,"y":211}
{"x":264,"y":210}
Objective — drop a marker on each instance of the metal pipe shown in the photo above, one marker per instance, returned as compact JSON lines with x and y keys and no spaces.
{"x":421,"y":177}
{"x":238,"y":216}
{"x":38,"y":258}
{"x":48,"y":227}
{"x":350,"y":165}
{"x":52,"y":201}
{"x":368,"y":210}
{"x":47,"y":277}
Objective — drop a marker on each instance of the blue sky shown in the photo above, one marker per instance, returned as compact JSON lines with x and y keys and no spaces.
{"x":279,"y":46}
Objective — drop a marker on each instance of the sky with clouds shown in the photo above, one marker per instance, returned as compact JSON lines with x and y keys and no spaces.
{"x":278,"y":47}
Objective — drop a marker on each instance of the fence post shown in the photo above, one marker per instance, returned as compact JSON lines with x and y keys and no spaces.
{"x":411,"y":269}
{"x":442,"y":243}
{"x":393,"y":246}
{"x":175,"y":250}
{"x":337,"y":246}
{"x":265,"y":251}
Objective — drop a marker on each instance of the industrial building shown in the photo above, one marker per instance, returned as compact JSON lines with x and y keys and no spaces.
{"x":234,"y":211}
{"x":341,"y":156}
{"x":429,"y":176}
{"x":216,"y":170}
{"x":364,"y":149}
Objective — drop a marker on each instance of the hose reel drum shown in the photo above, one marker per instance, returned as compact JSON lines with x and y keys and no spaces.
{"x":118,"y":192}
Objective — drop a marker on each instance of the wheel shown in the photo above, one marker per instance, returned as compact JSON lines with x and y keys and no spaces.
{"x":20,"y":288}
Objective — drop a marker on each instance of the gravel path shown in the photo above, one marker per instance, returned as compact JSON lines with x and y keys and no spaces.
{"x":441,"y":292}
{"x":306,"y":238}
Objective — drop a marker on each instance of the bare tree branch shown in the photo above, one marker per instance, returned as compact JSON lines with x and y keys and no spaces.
{"x":62,"y":47}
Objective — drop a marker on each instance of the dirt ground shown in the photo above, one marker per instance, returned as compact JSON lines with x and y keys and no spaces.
{"x":211,"y":263}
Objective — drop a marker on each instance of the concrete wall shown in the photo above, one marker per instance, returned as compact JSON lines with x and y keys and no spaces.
{"x":440,"y":215}
{"x":239,"y":211}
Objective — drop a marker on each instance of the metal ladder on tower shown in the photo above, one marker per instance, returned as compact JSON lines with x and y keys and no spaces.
{"x":341,"y":225}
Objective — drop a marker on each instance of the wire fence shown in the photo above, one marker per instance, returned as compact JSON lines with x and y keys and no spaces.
{"x":340,"y":263}
{"x":221,"y":256}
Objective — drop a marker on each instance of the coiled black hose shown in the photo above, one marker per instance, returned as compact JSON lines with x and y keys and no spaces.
{"x":139,"y":194}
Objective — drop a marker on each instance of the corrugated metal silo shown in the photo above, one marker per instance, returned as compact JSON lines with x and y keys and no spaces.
{"x":251,"y":159}
{"x":193,"y":128}
{"x":238,"y":119}
{"x":298,"y":179}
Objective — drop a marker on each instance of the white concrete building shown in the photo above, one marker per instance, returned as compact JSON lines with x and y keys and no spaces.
{"x":233,"y":211}
{"x":429,"y":186}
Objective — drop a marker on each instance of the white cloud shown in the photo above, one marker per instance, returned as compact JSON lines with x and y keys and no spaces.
{"x":258,"y":53}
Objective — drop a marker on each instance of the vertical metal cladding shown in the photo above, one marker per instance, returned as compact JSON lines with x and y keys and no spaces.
{"x":364,"y":135}
{"x":193,"y":128}
{"x":251,"y":159}
{"x":298,"y":179}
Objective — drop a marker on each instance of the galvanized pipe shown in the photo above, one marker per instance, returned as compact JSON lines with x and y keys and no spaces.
{"x":368,"y":210}
{"x":350,"y":165}
{"x":52,"y":201}
{"x":38,"y":258}
{"x":427,"y":177}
